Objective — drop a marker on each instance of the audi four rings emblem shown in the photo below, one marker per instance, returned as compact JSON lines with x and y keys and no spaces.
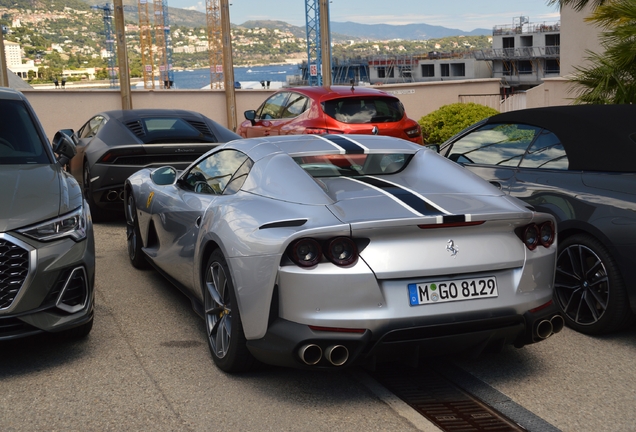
{"x":450,"y":246}
{"x":375,"y":130}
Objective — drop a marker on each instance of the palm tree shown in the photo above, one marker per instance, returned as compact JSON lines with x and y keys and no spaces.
{"x":611,"y":76}
{"x":577,"y":4}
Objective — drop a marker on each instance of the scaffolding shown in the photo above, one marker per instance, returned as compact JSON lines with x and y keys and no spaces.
{"x":215,"y":44}
{"x":145,"y":39}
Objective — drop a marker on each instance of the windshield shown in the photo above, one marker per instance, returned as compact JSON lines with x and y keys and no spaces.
{"x":337,"y":165}
{"x":20,"y":142}
{"x":370,"y":109}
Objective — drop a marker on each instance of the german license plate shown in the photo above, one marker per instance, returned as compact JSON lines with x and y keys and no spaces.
{"x":452,"y":290}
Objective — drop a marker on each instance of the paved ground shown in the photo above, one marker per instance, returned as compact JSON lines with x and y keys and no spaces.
{"x":146,"y":366}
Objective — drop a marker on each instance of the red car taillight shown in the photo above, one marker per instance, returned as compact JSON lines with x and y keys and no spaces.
{"x":307,"y":252}
{"x":413,"y":132}
{"x":534,"y":235}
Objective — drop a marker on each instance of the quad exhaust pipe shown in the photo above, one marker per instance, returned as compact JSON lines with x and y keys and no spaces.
{"x":114,"y":195}
{"x":547,"y":328}
{"x":311,"y":354}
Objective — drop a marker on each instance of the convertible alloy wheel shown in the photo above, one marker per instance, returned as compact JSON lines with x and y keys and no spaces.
{"x":133,"y":235}
{"x":588,"y":287}
{"x":222,"y":319}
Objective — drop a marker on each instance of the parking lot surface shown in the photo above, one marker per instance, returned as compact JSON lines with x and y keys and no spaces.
{"x":146,"y":366}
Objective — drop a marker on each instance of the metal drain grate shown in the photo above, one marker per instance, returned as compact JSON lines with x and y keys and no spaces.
{"x":441,"y":402}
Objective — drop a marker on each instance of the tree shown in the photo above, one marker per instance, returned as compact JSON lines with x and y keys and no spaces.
{"x":578,"y":4}
{"x":611,"y":76}
{"x":443,"y":123}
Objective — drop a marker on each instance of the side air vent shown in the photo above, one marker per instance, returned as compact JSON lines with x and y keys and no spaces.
{"x":14,"y":269}
{"x":201,"y":127}
{"x":136,"y":127}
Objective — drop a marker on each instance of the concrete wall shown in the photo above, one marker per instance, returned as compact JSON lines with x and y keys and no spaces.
{"x":70,"y":108}
{"x":577,"y":36}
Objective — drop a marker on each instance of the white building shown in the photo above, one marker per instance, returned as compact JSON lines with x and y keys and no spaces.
{"x":524,"y":53}
{"x":13,"y":54}
{"x":431,"y":67}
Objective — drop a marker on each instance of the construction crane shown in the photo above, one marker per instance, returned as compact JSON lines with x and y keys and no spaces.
{"x":215,"y":44}
{"x":110,"y":42}
{"x":314,"y":51}
{"x":168,"y":40}
{"x":163,"y":43}
{"x":145,"y":39}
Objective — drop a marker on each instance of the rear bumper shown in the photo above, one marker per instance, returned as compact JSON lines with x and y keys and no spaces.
{"x":287,"y":343}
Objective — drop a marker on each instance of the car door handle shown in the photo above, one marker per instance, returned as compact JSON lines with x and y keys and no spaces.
{"x":197,"y":223}
{"x":496,"y":184}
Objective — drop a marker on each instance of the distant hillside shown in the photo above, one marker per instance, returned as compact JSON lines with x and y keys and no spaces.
{"x":297,"y":31}
{"x":406,"y":32}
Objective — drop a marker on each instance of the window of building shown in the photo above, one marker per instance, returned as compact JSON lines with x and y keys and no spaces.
{"x":458,"y":69}
{"x":428,"y":70}
{"x":445,"y":69}
{"x":552,"y":67}
{"x":525,"y":67}
{"x":385,"y":72}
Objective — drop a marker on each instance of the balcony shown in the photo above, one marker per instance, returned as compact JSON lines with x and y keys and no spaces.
{"x":521,"y":53}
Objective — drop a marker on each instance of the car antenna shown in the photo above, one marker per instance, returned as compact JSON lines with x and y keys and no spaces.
{"x":351,"y":82}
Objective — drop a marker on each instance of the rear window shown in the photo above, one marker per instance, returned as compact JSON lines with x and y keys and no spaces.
{"x":351,"y":165}
{"x":20,"y":142}
{"x":362,"y":110}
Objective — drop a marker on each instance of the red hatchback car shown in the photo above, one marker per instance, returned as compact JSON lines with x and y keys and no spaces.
{"x":333,"y":110}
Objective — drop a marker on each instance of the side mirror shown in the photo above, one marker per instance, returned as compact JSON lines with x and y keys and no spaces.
{"x":64,"y":145}
{"x":434,"y":147}
{"x":251,"y":116}
{"x":164,"y":176}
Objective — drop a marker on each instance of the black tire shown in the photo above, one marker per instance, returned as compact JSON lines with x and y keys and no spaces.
{"x":223,"y":325}
{"x":589,"y":289}
{"x":133,"y":235}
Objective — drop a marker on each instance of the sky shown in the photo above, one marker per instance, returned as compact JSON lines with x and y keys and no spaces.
{"x":464,"y":15}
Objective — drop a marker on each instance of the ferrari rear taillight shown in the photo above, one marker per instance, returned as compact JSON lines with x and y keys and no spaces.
{"x":341,"y":251}
{"x":307,"y":252}
{"x":534,"y":235}
{"x":321,"y":131}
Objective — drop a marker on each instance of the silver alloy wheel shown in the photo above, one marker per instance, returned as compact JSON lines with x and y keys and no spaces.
{"x":582,"y":286}
{"x":218,"y":312}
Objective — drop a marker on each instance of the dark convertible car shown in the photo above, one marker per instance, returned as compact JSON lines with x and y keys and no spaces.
{"x":112,"y":145}
{"x":576,"y":162}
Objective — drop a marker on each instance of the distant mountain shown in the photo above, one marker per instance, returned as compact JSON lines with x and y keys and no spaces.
{"x":340,"y":31}
{"x":406,"y":31}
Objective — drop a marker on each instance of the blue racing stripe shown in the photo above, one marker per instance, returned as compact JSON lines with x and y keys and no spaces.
{"x":349,"y":146}
{"x":404,"y":195}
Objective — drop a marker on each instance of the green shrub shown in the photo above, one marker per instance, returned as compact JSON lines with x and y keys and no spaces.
{"x":448,"y":120}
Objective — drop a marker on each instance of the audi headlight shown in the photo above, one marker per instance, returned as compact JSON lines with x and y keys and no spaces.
{"x":71,"y":225}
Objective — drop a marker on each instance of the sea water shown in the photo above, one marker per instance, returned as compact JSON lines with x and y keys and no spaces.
{"x":199,"y":78}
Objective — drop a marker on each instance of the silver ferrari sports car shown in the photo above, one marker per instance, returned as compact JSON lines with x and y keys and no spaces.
{"x":326,"y":251}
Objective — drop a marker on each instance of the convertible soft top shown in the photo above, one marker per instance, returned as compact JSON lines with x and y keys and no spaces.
{"x":595,"y":137}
